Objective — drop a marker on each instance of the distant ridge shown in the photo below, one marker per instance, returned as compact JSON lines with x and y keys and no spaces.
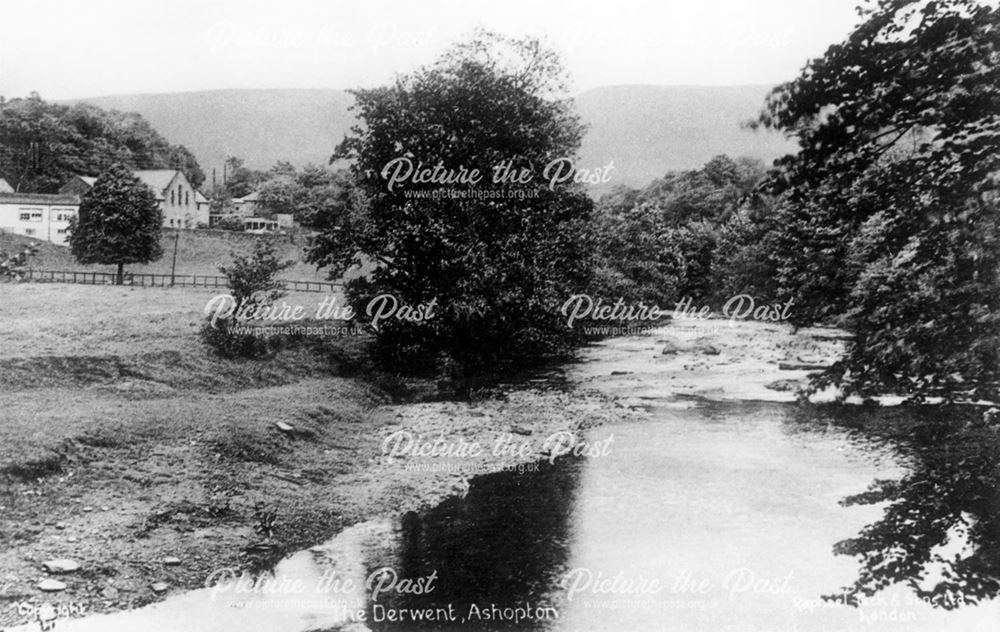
{"x":650,"y":130}
{"x":646,"y":130}
{"x":260,"y":126}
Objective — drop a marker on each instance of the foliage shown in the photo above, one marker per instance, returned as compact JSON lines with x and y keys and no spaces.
{"x":745,"y":260}
{"x":253,"y":279}
{"x":638,"y":261}
{"x":311,"y":195}
{"x":710,"y":194}
{"x":253,"y":283}
{"x":889,"y":209}
{"x":498,"y":268}
{"x":180,"y":157}
{"x":240,"y":180}
{"x":695,"y":244}
{"x":661,"y":243}
{"x":316,"y":197}
{"x":229,"y":222}
{"x":43,"y":145}
{"x":119,"y":222}
{"x":229,"y":343}
{"x":948,"y":497}
{"x":13,"y":267}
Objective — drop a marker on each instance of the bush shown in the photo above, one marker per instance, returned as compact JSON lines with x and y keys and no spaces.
{"x":13,"y":267}
{"x":229,"y":222}
{"x":229,"y":343}
{"x":253,"y":283}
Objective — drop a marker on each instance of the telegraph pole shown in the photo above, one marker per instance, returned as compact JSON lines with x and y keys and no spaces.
{"x":173,"y":264}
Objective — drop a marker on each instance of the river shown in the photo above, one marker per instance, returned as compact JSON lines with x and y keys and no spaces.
{"x":705,"y":515}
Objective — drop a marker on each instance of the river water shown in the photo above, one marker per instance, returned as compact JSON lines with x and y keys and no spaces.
{"x":705,"y":516}
{"x":733,"y":509}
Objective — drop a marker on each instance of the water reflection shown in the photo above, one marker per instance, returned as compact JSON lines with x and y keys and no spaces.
{"x":505,"y":543}
{"x":940,"y":532}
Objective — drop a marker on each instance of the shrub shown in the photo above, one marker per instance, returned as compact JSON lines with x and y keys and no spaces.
{"x":229,"y":222}
{"x":253,"y":283}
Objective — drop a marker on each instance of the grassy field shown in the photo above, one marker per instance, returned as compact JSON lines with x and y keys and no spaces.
{"x":62,"y":320}
{"x":122,"y":440}
{"x":198,"y":252}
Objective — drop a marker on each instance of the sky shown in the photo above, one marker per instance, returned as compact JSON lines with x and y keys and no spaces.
{"x":84,"y":48}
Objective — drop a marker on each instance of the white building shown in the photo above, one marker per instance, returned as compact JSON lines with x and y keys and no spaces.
{"x":204,"y":206}
{"x":40,"y":216}
{"x":178,"y":200}
{"x":47,"y":217}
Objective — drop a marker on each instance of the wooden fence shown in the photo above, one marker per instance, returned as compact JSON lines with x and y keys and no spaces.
{"x":162,"y":280}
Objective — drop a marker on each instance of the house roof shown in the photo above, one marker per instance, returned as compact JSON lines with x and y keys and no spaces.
{"x":156,"y":179}
{"x":199,"y":198}
{"x":39,"y":198}
{"x":4,"y":187}
{"x":250,"y":197}
{"x":78,"y":184}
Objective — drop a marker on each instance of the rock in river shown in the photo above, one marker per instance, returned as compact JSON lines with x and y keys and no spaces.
{"x":784,"y":385}
{"x":51,"y":585}
{"x":670,"y":347}
{"x":61,"y":566}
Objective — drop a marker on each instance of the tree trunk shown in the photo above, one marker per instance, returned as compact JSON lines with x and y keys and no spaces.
{"x":121,"y":274}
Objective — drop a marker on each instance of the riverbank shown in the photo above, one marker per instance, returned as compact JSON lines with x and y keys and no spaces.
{"x":149,"y":464}
{"x":145,"y":468}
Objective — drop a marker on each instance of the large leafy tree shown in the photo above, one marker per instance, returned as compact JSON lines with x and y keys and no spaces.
{"x":889,"y":209}
{"x":42,"y":144}
{"x":499,"y":260}
{"x":119,"y":222}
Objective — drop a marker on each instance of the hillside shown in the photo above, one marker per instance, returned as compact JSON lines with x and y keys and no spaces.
{"x":260,"y":126}
{"x":646,"y":130}
{"x":650,"y":130}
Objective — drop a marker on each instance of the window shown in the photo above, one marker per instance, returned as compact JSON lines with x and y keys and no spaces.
{"x":30,"y":215}
{"x":61,"y":231}
{"x":187,"y":198}
{"x":171,"y":198}
{"x":171,"y":221}
{"x":179,"y":197}
{"x":29,"y":231}
{"x":25,"y":217}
